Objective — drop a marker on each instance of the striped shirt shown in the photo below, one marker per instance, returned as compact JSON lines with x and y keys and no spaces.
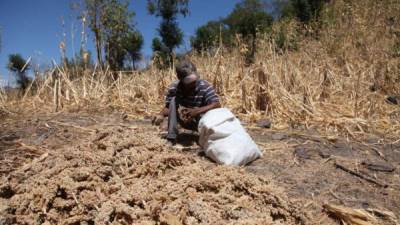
{"x":203,"y":95}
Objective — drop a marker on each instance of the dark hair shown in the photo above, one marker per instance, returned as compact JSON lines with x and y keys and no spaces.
{"x":185,"y":68}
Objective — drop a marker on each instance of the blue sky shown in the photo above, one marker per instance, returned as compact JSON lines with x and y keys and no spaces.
{"x":34,"y":27}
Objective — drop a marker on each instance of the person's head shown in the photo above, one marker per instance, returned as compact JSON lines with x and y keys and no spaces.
{"x":187,"y":75}
{"x":185,"y":68}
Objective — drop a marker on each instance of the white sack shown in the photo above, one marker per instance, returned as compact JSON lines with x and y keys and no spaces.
{"x":224,"y":139}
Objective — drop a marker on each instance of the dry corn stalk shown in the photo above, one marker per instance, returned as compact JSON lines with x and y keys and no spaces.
{"x":263,"y":101}
{"x":350,"y":216}
{"x":217,"y":82}
{"x":327,"y":84}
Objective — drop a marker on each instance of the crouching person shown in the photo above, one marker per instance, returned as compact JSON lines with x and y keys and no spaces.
{"x":186,"y":101}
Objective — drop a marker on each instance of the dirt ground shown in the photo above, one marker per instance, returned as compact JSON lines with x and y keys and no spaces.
{"x":109,"y":168}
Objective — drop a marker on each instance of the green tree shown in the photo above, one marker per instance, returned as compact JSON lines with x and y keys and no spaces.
{"x":94,"y":9}
{"x":19,"y":66}
{"x":133,"y":43}
{"x":249,"y":18}
{"x":209,"y":36}
{"x":169,"y":30}
{"x":112,"y":23}
{"x":303,"y":10}
{"x":117,"y":23}
{"x":160,"y":53}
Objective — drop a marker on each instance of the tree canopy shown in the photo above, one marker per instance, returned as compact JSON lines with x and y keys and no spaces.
{"x":114,"y":30}
{"x":169,"y":31}
{"x":303,"y":10}
{"x":210,"y":35}
{"x":248,"y":19}
{"x":133,"y":44}
{"x":168,"y":8}
{"x":18,"y":65}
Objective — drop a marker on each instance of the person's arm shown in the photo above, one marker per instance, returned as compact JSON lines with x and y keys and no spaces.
{"x":165,"y":111}
{"x":171,"y":93}
{"x":211,"y":100}
{"x":213,"y":105}
{"x":194,"y":112}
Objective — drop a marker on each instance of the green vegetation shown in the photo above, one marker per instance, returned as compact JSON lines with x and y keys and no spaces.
{"x":211,"y":35}
{"x":19,"y":66}
{"x":114,"y":31}
{"x":133,"y":43}
{"x":94,"y":9}
{"x":117,"y":41}
{"x":249,"y":18}
{"x":169,"y":31}
{"x":304,"y":10}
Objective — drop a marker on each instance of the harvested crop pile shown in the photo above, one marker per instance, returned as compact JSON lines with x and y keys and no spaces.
{"x":129,"y":176}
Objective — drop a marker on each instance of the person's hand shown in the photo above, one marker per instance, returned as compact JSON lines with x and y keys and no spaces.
{"x":157,"y":120}
{"x":190,"y":113}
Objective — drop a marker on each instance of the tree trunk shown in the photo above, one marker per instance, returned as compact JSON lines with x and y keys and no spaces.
{"x":170,"y":57}
{"x":133,"y":63}
{"x":97,"y":35}
{"x":98,"y":48}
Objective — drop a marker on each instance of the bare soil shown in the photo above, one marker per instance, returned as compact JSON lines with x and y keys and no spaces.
{"x":107,"y":168}
{"x":307,"y":166}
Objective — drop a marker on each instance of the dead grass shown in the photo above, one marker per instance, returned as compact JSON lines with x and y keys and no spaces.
{"x":117,"y":176}
{"x":350,"y":216}
{"x":325,"y":85}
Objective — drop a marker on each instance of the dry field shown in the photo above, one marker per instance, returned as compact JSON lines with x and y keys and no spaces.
{"x":78,"y":147}
{"x":106,"y":167}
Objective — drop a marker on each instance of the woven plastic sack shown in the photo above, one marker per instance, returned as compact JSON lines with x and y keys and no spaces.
{"x":224,"y":140}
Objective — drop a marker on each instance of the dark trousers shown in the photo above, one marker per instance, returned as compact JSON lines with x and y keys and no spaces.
{"x":174,"y":119}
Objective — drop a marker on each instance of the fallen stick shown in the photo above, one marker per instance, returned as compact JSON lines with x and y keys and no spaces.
{"x":33,"y":162}
{"x":101,"y":137}
{"x":388,"y":215}
{"x":349,"y":215}
{"x":29,"y":147}
{"x":375,"y":150}
{"x":76,"y":201}
{"x":352,"y":172}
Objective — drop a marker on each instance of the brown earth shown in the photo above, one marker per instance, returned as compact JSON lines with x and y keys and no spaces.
{"x":107,"y":168}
